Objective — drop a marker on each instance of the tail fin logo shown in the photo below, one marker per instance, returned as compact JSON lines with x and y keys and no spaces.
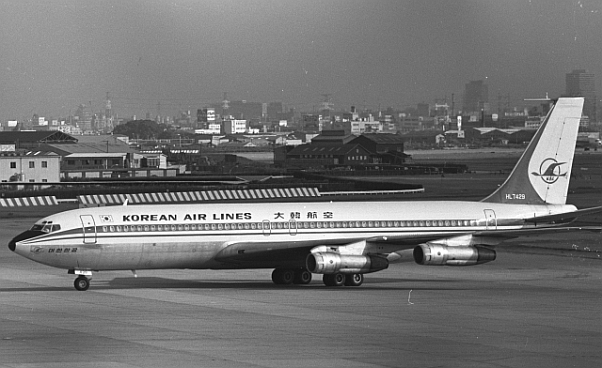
{"x":550,"y":171}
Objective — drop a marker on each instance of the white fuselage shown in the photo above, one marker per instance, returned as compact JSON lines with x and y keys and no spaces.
{"x":202,"y":235}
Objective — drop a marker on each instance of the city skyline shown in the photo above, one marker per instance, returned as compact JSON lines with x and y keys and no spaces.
{"x":174,"y":56}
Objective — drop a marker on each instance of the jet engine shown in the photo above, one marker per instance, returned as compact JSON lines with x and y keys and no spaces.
{"x":442,"y":255}
{"x":330,"y":262}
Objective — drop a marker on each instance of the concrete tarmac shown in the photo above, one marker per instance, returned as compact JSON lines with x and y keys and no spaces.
{"x":541,"y":309}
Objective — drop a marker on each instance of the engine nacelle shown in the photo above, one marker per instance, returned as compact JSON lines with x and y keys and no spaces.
{"x":442,"y":255}
{"x":330,"y":262}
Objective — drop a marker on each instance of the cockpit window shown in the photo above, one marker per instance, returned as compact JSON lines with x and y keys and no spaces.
{"x":46,"y":227}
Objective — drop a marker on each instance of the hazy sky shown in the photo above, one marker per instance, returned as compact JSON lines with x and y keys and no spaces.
{"x":57,"y":54}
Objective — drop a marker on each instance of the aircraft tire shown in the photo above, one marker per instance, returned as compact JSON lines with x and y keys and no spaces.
{"x":355,"y":279}
{"x":302,"y":277}
{"x":334,"y":279}
{"x":82,"y":283}
{"x":283,"y":276}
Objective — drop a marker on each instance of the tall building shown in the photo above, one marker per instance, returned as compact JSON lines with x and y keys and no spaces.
{"x":580,"y":83}
{"x":476,"y":97}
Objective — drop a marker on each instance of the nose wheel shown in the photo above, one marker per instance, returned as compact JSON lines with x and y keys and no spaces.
{"x":82,"y":283}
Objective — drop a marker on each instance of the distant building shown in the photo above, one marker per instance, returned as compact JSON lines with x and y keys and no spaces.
{"x":235,"y":126}
{"x":330,"y":137}
{"x":580,"y":83}
{"x":423,"y":109}
{"x":380,"y":143}
{"x":212,"y":128}
{"x":35,"y":140}
{"x":421,"y":138}
{"x":476,"y":97}
{"x":206,"y":115}
{"x":30,"y":167}
{"x":311,"y":155}
{"x":310,"y":123}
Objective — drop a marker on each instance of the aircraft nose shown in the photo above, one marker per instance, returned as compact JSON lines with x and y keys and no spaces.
{"x":12,"y":245}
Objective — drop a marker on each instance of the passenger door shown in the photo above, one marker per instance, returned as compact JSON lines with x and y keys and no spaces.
{"x":89,"y":229}
{"x":490,"y":220}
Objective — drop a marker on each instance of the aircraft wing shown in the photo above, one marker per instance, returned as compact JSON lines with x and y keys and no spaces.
{"x":294,"y":253}
{"x":270,"y":254}
{"x":265,"y":254}
{"x":558,"y":218}
{"x":508,"y":234}
{"x":565,"y":217}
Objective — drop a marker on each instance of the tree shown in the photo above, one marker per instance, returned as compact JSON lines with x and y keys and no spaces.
{"x":140,"y":129}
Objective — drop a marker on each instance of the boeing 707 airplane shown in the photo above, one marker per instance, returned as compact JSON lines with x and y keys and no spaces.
{"x":340,"y":240}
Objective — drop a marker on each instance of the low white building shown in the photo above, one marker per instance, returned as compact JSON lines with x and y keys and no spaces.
{"x":235,"y":126}
{"x":30,"y":167}
{"x":212,"y":128}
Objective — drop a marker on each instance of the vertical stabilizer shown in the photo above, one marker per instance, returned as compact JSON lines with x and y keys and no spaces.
{"x":543,"y":172}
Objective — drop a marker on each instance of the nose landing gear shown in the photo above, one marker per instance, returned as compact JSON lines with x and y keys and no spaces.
{"x":82,"y":282}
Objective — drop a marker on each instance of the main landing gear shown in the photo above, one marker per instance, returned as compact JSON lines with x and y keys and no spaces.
{"x":287,"y":276}
{"x":340,"y":279}
{"x":301,"y":276}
